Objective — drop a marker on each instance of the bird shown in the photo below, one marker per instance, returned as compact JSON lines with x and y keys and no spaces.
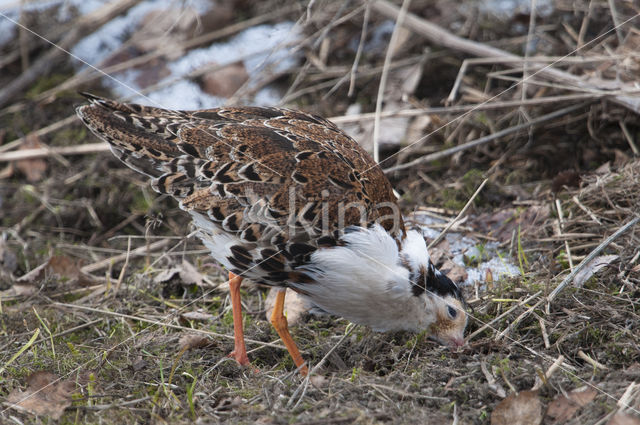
{"x":288,"y":200}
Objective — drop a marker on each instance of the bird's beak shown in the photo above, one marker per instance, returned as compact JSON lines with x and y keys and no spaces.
{"x":456,"y":342}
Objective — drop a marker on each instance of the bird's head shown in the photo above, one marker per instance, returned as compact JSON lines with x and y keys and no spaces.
{"x":440,"y":294}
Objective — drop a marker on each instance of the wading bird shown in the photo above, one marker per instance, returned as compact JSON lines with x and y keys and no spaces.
{"x":287,"y":199}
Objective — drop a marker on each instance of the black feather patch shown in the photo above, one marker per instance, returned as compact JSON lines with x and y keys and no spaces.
{"x":240,"y":257}
{"x":432,"y":280}
{"x":249,"y":173}
{"x":271,"y":264}
{"x":326,"y":241}
{"x":188,"y":149}
{"x":300,"y":249}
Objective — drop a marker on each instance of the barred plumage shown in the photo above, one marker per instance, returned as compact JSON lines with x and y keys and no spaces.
{"x":287,"y":199}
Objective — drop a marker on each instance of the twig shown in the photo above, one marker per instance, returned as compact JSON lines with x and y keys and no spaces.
{"x":584,"y":25}
{"x":616,"y":22}
{"x":584,"y":356}
{"x":304,"y":385}
{"x":491,"y":381}
{"x":89,"y":74}
{"x":89,"y":268}
{"x":527,"y":49}
{"x":51,"y":151}
{"x":43,"y":64}
{"x":405,"y":393}
{"x":385,"y":73}
{"x":495,"y":319}
{"x":482,"y":140}
{"x":585,"y":209}
{"x":462,"y":212}
{"x":507,"y":104}
{"x":590,"y":257}
{"x":545,"y":335}
{"x":518,"y":320}
{"x":356,"y":61}
{"x":111,"y":406}
{"x":629,"y":137}
{"x":442,"y":37}
{"x":162,"y":324}
{"x":561,"y":229}
{"x":43,"y":131}
{"x":540,"y":381}
{"x":124,"y":267}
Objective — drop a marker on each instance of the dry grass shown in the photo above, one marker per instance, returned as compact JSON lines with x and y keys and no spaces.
{"x":116,"y":330}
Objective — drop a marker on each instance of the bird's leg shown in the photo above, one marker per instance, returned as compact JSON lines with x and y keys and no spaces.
{"x":239,"y":350}
{"x":279,"y":321}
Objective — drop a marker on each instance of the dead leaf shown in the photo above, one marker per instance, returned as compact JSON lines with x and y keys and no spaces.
{"x":229,"y":403}
{"x":319,"y":381}
{"x":621,"y":418}
{"x":190,"y":275}
{"x":604,"y":168}
{"x":439,"y":253}
{"x":592,"y":268}
{"x":138,"y":364}
{"x":564,"y":407}
{"x":57,"y":265}
{"x":295,"y":306}
{"x":8,"y":260}
{"x":455,"y":272}
{"x":226,"y":81}
{"x":191,"y":341}
{"x":523,"y":408}
{"x":19,"y":290}
{"x":198,"y":315}
{"x":45,"y":395}
{"x":33,"y":169}
{"x":166,"y":275}
{"x":565,"y":179}
{"x":6,"y":172}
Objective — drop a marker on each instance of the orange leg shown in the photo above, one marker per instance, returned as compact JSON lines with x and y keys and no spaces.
{"x":279,"y":321}
{"x":239,"y":351}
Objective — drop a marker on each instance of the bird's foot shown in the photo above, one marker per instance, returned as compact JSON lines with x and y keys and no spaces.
{"x":243,"y":359}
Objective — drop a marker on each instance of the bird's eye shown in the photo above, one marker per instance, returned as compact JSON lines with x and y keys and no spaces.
{"x":452,"y":311}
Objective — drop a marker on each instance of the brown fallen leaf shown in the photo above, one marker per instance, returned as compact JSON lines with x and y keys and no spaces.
{"x":592,"y":268}
{"x":229,"y":403}
{"x":57,"y":265}
{"x":7,"y":172}
{"x":188,"y":273}
{"x":8,"y":260}
{"x":33,"y":169}
{"x":226,"y":81}
{"x":621,"y":418}
{"x":455,"y":272}
{"x":191,"y":341}
{"x":564,"y":407}
{"x":198,"y":315}
{"x":166,"y":275}
{"x":19,"y":290}
{"x":45,"y":395}
{"x":523,"y":408}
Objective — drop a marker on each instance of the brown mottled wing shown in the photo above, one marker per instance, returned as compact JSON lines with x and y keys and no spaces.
{"x":271,"y":177}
